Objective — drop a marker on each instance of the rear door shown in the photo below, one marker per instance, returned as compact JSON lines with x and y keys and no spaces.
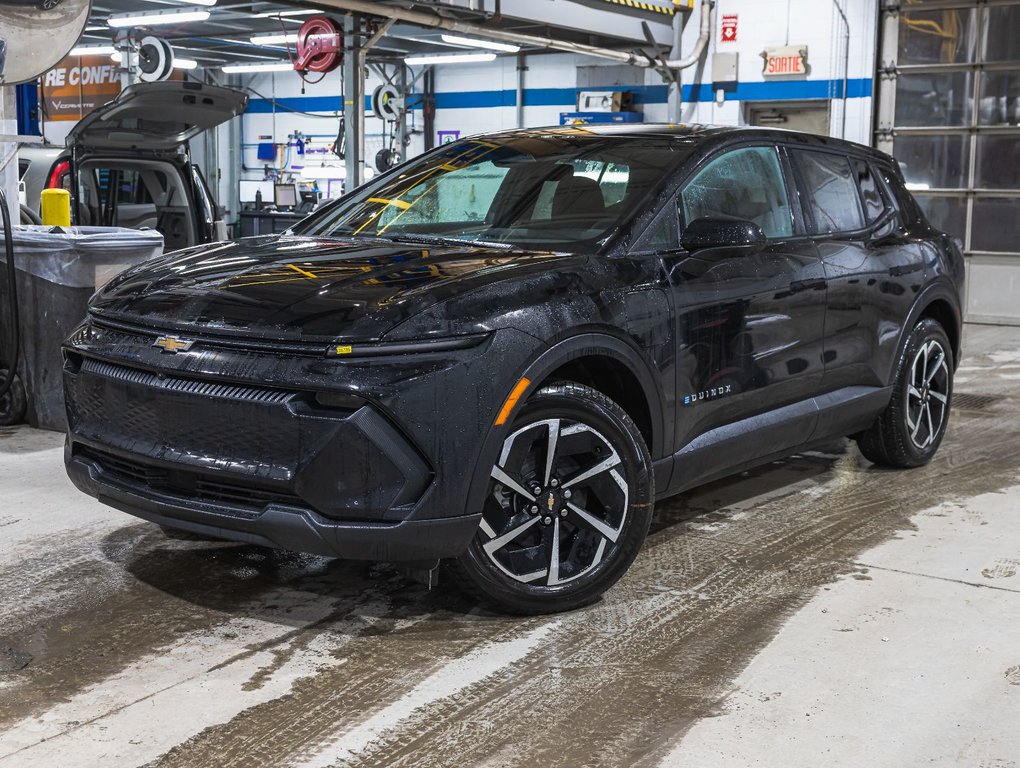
{"x":150,"y":123}
{"x":749,"y":328}
{"x":874,"y":271}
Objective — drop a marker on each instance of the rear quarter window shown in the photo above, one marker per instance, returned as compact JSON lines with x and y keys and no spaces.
{"x":871,"y":191}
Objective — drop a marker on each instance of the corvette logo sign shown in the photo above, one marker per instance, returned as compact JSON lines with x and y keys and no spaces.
{"x":79,"y":84}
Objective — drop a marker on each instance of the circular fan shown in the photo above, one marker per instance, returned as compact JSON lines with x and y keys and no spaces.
{"x":319,"y":45}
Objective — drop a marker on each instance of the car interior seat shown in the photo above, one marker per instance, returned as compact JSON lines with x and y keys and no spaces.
{"x":578,"y":196}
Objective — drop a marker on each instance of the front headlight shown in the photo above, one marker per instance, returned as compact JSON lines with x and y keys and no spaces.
{"x":413,"y":347}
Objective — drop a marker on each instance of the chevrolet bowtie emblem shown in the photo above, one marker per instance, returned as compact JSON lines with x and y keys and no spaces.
{"x":172,"y":344}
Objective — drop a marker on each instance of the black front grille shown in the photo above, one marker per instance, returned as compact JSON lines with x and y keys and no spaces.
{"x":187,"y":386}
{"x":197,"y":486}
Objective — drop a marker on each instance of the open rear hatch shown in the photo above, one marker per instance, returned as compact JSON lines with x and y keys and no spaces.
{"x":157,"y":116}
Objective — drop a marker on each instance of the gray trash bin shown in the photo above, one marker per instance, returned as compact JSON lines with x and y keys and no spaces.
{"x":59,"y":268}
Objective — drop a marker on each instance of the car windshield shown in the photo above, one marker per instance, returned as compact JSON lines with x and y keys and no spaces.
{"x":566,"y":191}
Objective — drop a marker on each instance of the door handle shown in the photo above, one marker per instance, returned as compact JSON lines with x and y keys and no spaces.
{"x":816,"y":284}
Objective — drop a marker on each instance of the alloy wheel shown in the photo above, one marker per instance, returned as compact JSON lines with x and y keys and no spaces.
{"x":557,"y":503}
{"x":928,"y":394}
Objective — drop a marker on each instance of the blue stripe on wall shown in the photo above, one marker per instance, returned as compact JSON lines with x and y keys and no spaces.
{"x":786,"y":90}
{"x":782,"y":90}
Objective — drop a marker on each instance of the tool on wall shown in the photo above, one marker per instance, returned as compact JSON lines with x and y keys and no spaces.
{"x":146,"y":59}
{"x":320,"y":46}
{"x":388,"y":106}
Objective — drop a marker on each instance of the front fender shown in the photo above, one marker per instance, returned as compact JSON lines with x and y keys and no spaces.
{"x":603,"y":343}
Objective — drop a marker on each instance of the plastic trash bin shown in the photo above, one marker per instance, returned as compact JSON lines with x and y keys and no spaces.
{"x":59,"y":268}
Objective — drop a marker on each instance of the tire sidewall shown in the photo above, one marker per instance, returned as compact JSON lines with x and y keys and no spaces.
{"x":578,"y":403}
{"x":926,"y":330}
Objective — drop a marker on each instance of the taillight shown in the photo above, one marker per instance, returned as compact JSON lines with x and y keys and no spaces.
{"x":60,"y":170}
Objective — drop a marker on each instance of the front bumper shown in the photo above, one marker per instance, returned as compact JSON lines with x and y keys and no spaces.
{"x":369,"y":459}
{"x":276,"y":525}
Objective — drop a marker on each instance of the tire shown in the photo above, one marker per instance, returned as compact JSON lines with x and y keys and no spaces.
{"x":14,"y":404}
{"x":909,"y":431}
{"x":579,"y":534}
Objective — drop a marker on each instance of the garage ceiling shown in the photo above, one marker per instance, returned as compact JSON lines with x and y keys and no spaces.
{"x":225,"y":37}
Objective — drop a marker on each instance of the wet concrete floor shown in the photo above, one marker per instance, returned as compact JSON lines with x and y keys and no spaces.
{"x":814,"y":611}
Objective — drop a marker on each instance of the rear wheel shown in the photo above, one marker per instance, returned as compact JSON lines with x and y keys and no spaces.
{"x":909,"y":431}
{"x":568,"y":505}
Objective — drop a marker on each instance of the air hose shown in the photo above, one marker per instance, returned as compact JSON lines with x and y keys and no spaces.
{"x":12,"y":281}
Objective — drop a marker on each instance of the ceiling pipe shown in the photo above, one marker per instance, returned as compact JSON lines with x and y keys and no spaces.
{"x":431,"y":20}
{"x":704,"y":35}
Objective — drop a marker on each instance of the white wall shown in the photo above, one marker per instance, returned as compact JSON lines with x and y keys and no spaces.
{"x":814,"y":23}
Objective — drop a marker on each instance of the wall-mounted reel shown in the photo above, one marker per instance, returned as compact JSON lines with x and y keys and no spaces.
{"x":387,"y":103}
{"x":155,"y":59}
{"x":320,"y":45}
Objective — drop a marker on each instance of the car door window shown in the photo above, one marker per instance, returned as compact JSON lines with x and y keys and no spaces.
{"x":742,"y":184}
{"x":831,"y":192}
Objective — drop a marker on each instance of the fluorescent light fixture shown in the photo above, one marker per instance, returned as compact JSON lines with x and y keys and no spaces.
{"x":279,"y":39}
{"x":154,"y":18}
{"x":274,"y":14}
{"x":92,"y":50}
{"x":915,"y":186}
{"x":197,"y":2}
{"x":449,"y":58}
{"x":259,"y":66}
{"x":486,"y":44}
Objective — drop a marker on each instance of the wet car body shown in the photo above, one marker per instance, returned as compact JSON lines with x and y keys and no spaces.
{"x":361,"y":416}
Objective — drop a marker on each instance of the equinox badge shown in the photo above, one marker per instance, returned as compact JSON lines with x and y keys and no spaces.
{"x":172,"y":344}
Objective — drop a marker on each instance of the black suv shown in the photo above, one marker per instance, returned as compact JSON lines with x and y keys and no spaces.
{"x":506,"y":350}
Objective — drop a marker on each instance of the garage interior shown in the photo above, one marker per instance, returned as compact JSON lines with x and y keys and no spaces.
{"x":817,"y":609}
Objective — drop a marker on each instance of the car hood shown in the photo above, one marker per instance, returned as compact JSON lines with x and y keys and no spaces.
{"x":306,"y":289}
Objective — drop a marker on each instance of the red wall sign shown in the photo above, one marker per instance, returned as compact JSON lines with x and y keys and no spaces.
{"x":728,"y":28}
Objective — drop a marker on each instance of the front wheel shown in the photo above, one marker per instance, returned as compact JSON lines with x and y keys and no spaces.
{"x":568,"y":505}
{"x":909,"y":431}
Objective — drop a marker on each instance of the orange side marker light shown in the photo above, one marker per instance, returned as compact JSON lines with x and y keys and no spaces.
{"x":511,"y":401}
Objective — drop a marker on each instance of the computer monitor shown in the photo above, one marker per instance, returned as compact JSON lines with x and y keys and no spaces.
{"x":248,"y":190}
{"x":286,"y":195}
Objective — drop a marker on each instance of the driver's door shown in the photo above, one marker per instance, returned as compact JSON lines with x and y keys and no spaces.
{"x":749,"y":327}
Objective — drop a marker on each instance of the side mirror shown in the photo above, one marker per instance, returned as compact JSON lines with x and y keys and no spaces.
{"x":722,"y":238}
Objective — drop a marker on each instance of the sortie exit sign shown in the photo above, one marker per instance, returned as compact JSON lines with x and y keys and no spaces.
{"x":785,"y":60}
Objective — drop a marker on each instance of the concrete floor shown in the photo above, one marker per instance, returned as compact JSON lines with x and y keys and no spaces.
{"x":817,"y":611}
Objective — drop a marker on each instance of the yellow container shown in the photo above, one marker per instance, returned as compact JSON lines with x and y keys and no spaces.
{"x":55,"y":207}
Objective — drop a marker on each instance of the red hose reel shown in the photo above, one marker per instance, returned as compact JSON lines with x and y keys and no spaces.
{"x":320,"y":45}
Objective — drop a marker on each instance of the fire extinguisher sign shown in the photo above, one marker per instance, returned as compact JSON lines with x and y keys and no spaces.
{"x":728,"y":28}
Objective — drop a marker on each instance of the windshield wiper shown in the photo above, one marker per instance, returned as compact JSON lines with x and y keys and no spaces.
{"x":440,"y":240}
